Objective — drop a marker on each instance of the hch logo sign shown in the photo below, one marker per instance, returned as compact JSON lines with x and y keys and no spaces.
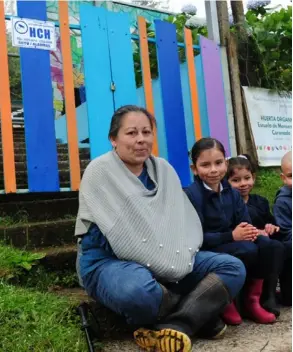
{"x":39,"y":33}
{"x":33,"y":34}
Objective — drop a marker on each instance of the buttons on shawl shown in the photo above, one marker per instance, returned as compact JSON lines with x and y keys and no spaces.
{"x":190,"y":264}
{"x":172,"y":267}
{"x":144,"y":240}
{"x":177,"y":252}
{"x":197,"y":250}
{"x":161,"y":246}
{"x":190,"y":249}
{"x":148,"y":265}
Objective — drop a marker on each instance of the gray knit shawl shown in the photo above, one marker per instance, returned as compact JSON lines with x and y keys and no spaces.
{"x":158,"y":229}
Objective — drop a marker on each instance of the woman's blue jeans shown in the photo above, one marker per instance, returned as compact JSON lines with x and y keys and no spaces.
{"x":130,"y":289}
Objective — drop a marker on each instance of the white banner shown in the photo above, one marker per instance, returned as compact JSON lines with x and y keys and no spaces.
{"x":33,"y":34}
{"x":270,"y":118}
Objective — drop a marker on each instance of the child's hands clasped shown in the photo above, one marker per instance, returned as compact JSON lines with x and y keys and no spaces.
{"x":270,"y":229}
{"x":245,"y":232}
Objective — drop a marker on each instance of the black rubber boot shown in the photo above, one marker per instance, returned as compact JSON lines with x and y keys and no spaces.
{"x":164,"y":339}
{"x":199,"y":307}
{"x":214,"y":329}
{"x":268,"y":297}
{"x":190,"y":314}
{"x":286,"y":287}
{"x":169,"y":302}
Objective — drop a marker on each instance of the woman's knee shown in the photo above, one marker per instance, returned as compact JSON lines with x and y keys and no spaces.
{"x":139,"y":303}
{"x":232,"y":272}
{"x":128,"y":289}
{"x":132,"y":292}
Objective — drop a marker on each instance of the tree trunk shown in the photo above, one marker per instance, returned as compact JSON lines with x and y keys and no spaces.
{"x":223,"y":18}
{"x":245,"y":55}
{"x":229,"y":41}
{"x":238,"y":16}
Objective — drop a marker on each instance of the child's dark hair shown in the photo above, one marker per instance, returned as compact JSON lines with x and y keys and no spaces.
{"x":242,"y":161}
{"x":205,"y":144}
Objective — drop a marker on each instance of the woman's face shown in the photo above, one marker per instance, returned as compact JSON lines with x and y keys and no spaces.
{"x":134,"y":140}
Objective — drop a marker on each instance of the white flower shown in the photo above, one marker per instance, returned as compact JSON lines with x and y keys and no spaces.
{"x":190,"y":9}
{"x":192,"y":22}
{"x":255,"y":4}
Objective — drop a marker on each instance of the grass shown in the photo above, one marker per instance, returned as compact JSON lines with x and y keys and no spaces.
{"x":44,"y":280}
{"x":32,"y":319}
{"x":13,"y":262}
{"x":21,"y":218}
{"x":268,"y":182}
{"x":17,"y":219}
{"x":38,"y":322}
{"x":22,"y":268}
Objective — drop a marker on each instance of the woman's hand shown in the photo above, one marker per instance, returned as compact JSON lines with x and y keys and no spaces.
{"x":270,"y":229}
{"x":245,"y":232}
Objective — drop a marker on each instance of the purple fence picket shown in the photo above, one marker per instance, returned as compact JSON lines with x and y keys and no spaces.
{"x":215,"y":95}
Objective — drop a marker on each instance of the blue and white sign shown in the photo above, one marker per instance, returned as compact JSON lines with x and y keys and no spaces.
{"x":27,"y":33}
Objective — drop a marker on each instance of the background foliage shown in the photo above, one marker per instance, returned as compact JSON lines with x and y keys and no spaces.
{"x":267,"y":59}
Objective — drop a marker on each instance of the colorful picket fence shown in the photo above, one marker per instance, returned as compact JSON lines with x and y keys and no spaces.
{"x":108,"y":63}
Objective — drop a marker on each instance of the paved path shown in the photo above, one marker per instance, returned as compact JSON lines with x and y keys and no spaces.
{"x":248,"y":337}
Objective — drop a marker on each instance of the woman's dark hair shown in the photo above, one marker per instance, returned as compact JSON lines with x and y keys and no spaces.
{"x":205,"y":144}
{"x":121,"y":112}
{"x":242,"y":161}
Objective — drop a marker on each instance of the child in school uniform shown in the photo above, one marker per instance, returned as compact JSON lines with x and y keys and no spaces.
{"x":241,"y":176}
{"x":227,"y":228}
{"x":282,"y":210}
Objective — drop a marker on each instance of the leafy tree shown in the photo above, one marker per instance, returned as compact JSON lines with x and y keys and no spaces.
{"x":269,"y":49}
{"x":265,"y":49}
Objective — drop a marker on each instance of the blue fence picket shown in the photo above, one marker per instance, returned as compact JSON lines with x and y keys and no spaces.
{"x":171,"y":92}
{"x":41,"y":149}
{"x":121,"y":57}
{"x":100,"y":103}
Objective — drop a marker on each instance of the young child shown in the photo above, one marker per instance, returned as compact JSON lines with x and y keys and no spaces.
{"x":282,"y":210}
{"x":227,"y":227}
{"x":241,"y":176}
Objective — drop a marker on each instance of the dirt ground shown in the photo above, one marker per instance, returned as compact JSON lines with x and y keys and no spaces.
{"x":248,"y":337}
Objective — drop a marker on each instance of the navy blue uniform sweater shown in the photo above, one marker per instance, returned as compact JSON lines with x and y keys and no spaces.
{"x":282,"y":210}
{"x":219,"y":213}
{"x":259,"y":211}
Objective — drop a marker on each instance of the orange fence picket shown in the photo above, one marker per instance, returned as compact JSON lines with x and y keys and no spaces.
{"x":5,"y":111}
{"x":192,"y":83}
{"x":146,"y":73}
{"x":69,"y":96}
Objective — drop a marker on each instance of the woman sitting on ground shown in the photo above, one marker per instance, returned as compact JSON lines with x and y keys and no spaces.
{"x":140,"y":239}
